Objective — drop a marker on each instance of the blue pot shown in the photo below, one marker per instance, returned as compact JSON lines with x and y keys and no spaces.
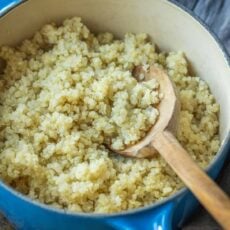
{"x":21,"y":18}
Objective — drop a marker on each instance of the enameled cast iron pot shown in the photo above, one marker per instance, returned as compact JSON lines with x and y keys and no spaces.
{"x":172,"y":29}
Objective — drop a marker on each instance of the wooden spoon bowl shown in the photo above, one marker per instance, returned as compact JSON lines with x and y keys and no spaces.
{"x":169,"y":109}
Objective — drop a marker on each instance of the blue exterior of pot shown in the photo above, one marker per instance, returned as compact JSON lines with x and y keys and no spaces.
{"x":165,"y":215}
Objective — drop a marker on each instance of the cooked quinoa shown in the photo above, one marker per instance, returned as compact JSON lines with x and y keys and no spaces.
{"x":66,"y":93}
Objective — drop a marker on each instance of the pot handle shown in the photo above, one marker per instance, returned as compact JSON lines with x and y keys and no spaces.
{"x":152,"y":219}
{"x":7,"y":5}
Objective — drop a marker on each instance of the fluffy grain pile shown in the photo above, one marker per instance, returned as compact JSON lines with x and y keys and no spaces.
{"x":66,"y":92}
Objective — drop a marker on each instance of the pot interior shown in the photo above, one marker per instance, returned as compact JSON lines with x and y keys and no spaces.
{"x":171,"y":28}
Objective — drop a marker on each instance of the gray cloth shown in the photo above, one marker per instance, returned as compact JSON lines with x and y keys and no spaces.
{"x":216,"y":14}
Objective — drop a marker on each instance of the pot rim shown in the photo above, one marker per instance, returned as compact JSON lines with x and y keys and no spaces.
{"x":224,"y":146}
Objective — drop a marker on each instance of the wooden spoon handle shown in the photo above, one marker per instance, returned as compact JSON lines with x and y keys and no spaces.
{"x":202,"y":186}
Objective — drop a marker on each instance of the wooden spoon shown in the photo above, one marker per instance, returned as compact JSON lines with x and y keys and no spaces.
{"x":161,"y":138}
